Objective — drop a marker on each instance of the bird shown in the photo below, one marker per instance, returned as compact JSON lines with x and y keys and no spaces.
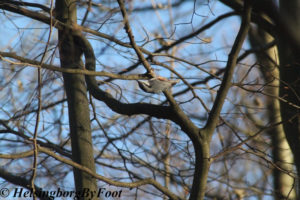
{"x":156,"y":85}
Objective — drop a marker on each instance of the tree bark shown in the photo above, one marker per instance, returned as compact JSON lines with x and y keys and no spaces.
{"x":282,"y":156}
{"x":78,"y":105}
{"x":290,"y":79}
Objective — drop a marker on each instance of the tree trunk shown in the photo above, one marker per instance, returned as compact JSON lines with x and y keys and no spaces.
{"x":78,"y":105}
{"x":290,"y":79}
{"x":201,"y":169}
{"x":282,"y":156}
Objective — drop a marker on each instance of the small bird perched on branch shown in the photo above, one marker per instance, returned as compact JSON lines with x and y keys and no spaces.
{"x":157,"y":84}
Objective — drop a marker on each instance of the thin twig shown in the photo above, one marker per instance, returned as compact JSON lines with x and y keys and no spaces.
{"x":34,"y":140}
{"x":132,"y":40}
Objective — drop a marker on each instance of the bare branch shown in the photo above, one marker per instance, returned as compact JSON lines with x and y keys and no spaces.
{"x":231,"y":63}
{"x":36,"y":64}
{"x":107,"y":180}
{"x":132,"y":40}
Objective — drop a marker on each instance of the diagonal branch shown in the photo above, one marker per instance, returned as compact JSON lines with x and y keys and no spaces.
{"x":23,"y":182}
{"x":132,"y":41}
{"x":21,"y":3}
{"x":157,"y":111}
{"x":260,"y":21}
{"x":231,"y":63}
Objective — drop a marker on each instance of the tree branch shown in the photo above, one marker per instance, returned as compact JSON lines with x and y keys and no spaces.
{"x":17,"y":155}
{"x":260,"y":21}
{"x":36,"y":64}
{"x":107,"y":180}
{"x":17,"y":180}
{"x":132,"y":40}
{"x":232,"y":61}
{"x":35,"y":5}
